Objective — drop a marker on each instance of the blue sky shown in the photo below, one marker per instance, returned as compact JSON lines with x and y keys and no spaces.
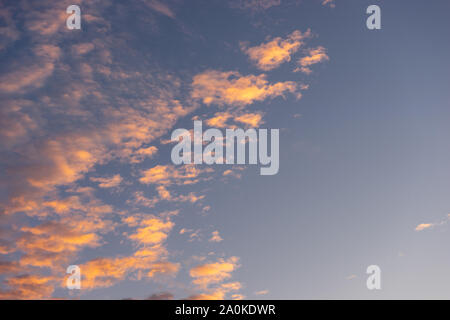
{"x":86,"y":176}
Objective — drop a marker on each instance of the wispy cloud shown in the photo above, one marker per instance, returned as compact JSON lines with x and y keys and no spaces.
{"x":313,"y":56}
{"x":108,"y":182}
{"x":424,"y":226}
{"x":160,"y":7}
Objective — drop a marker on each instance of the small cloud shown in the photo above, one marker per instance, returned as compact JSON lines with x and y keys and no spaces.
{"x":215,"y":272}
{"x":215,"y":237}
{"x":206,"y":209}
{"x":110,"y":182}
{"x":351,"y":277}
{"x":314,"y":56}
{"x":272,"y":54}
{"x":160,"y":8}
{"x":424,"y":226}
{"x":329,"y":3}
{"x":262,"y":292}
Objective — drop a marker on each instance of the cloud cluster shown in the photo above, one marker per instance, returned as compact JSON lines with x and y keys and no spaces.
{"x":75,"y":107}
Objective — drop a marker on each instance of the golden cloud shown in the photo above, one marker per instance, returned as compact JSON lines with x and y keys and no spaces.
{"x":272,"y":54}
{"x":231,"y":88}
{"x":314,"y":56}
{"x":210,"y":273}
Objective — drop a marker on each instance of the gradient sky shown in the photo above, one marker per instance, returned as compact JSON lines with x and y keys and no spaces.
{"x":86,"y":177}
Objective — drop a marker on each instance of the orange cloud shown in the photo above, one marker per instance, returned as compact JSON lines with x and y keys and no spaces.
{"x":211,"y":273}
{"x":219,"y":293}
{"x":32,"y":76}
{"x":231,"y":88}
{"x":251,"y":119}
{"x":220,"y":119}
{"x":314,"y":56}
{"x":424,"y":226}
{"x":215,"y":237}
{"x":168,"y":174}
{"x":140,"y":154}
{"x":154,"y":231}
{"x":149,"y":260}
{"x":110,"y":182}
{"x":83,"y":48}
{"x":272,"y":54}
{"x":27,"y":287}
{"x":105,"y":272}
{"x":64,"y":205}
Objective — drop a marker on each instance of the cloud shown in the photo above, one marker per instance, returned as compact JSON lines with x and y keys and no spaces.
{"x":109,"y":182}
{"x":105,"y":272}
{"x":27,"y":286}
{"x":148,"y":261}
{"x":219,"y":120}
{"x":314,"y":56}
{"x":215,"y":237}
{"x":219,"y":292}
{"x":210,"y":273}
{"x":33,"y":75}
{"x":153,"y":231}
{"x":253,"y":120}
{"x":15,"y":122}
{"x":424,"y":226}
{"x":222,"y":119}
{"x":51,"y":244}
{"x":160,"y":7}
{"x":262,"y":292}
{"x":6,"y":247}
{"x":141,"y":154}
{"x":9,"y":267}
{"x":232,"y":88}
{"x":83,"y":48}
{"x":168,"y":174}
{"x":78,"y":107}
{"x":329,"y":3}
{"x":272,"y":54}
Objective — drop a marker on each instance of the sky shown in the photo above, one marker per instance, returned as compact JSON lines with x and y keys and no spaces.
{"x":86,"y":176}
